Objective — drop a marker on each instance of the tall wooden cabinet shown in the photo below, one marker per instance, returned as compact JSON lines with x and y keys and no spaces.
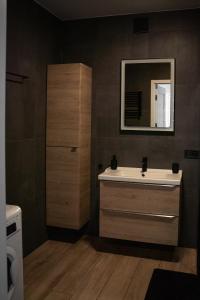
{"x":68,"y":145}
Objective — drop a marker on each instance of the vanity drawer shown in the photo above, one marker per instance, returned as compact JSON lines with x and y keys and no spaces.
{"x":147,"y":198}
{"x":139,"y":227}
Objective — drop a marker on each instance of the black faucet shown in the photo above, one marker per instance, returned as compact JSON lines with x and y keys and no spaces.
{"x":144,"y":164}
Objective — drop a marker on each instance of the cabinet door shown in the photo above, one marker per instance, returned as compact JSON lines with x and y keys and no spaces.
{"x":62,"y":187}
{"x":63,"y":105}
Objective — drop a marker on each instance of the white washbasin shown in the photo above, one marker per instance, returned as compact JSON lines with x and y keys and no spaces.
{"x":152,"y":176}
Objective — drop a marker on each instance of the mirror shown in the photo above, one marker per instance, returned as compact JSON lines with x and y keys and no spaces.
{"x":147,"y":95}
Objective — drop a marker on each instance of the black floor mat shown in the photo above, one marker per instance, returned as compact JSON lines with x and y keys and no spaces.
{"x":170,"y":285}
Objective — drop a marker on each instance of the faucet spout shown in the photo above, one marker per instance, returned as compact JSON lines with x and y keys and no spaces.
{"x":144,"y":164}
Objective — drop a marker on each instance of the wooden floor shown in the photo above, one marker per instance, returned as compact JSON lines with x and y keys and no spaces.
{"x":60,"y":271}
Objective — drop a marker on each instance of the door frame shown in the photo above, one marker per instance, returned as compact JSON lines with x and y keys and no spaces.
{"x":153,"y":82}
{"x":3,"y":257}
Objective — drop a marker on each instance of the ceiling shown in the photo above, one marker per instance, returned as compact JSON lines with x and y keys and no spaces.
{"x":81,"y":9}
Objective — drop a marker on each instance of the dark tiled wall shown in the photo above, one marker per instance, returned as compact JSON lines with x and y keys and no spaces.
{"x":102,"y":43}
{"x":32,"y":43}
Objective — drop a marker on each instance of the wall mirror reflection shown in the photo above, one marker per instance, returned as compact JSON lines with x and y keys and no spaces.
{"x":147,"y":95}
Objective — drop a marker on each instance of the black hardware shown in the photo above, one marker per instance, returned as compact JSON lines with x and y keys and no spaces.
{"x":140,"y":25}
{"x":113,"y":163}
{"x":15,"y":77}
{"x":9,"y":273}
{"x":11,"y":229}
{"x":100,"y":166}
{"x":175,"y":167}
{"x":144,"y":164}
{"x":133,"y":106}
{"x":192,"y":154}
{"x":73,"y":149}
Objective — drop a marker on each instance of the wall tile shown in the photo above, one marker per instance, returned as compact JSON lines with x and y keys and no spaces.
{"x":171,"y":34}
{"x":31,"y":45}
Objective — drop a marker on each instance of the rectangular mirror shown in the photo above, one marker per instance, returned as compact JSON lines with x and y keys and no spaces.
{"x":147,"y":95}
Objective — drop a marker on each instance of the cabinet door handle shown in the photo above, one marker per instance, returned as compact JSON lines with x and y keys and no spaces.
{"x":73,"y":149}
{"x":128,"y":212}
{"x":156,"y":185}
{"x":165,"y":186}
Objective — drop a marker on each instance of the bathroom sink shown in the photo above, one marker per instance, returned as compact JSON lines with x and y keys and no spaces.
{"x":152,"y":176}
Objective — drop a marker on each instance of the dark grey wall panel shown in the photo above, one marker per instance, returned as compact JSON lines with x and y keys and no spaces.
{"x":103,"y":43}
{"x":32,"y":42}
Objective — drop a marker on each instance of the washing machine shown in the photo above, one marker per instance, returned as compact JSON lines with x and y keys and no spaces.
{"x":14,"y":253}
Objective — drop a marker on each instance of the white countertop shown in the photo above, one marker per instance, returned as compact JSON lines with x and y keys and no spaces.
{"x":152,"y":176}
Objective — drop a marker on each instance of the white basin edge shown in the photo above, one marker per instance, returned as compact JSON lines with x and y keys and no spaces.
{"x":152,"y":176}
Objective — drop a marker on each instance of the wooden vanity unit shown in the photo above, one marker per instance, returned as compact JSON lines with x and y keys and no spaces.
{"x":140,"y":211}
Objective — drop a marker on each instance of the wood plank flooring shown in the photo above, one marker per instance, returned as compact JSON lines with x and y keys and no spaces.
{"x":63,"y":271}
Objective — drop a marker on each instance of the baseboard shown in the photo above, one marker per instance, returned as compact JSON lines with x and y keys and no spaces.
{"x":66,"y":235}
{"x":130,"y":248}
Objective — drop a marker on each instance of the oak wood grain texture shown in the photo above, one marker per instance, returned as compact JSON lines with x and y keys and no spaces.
{"x":43,"y":257}
{"x":140,"y":198}
{"x":47,"y":273}
{"x":118,"y":198}
{"x":63,"y":187}
{"x":139,"y":228}
{"x":68,"y":145}
{"x":85,"y":141}
{"x":140,"y":281}
{"x":63,"y":105}
{"x":52,"y":272}
{"x":74,"y":275}
{"x":93,"y":283}
{"x":186,"y":263}
{"x":57,"y":296}
{"x":120,"y":279}
{"x":85,"y":183}
{"x":69,"y":105}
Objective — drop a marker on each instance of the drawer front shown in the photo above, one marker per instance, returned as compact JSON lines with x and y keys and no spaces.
{"x":140,"y":198}
{"x":139,"y":227}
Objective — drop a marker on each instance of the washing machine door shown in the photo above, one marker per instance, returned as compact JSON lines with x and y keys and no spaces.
{"x":11,"y":271}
